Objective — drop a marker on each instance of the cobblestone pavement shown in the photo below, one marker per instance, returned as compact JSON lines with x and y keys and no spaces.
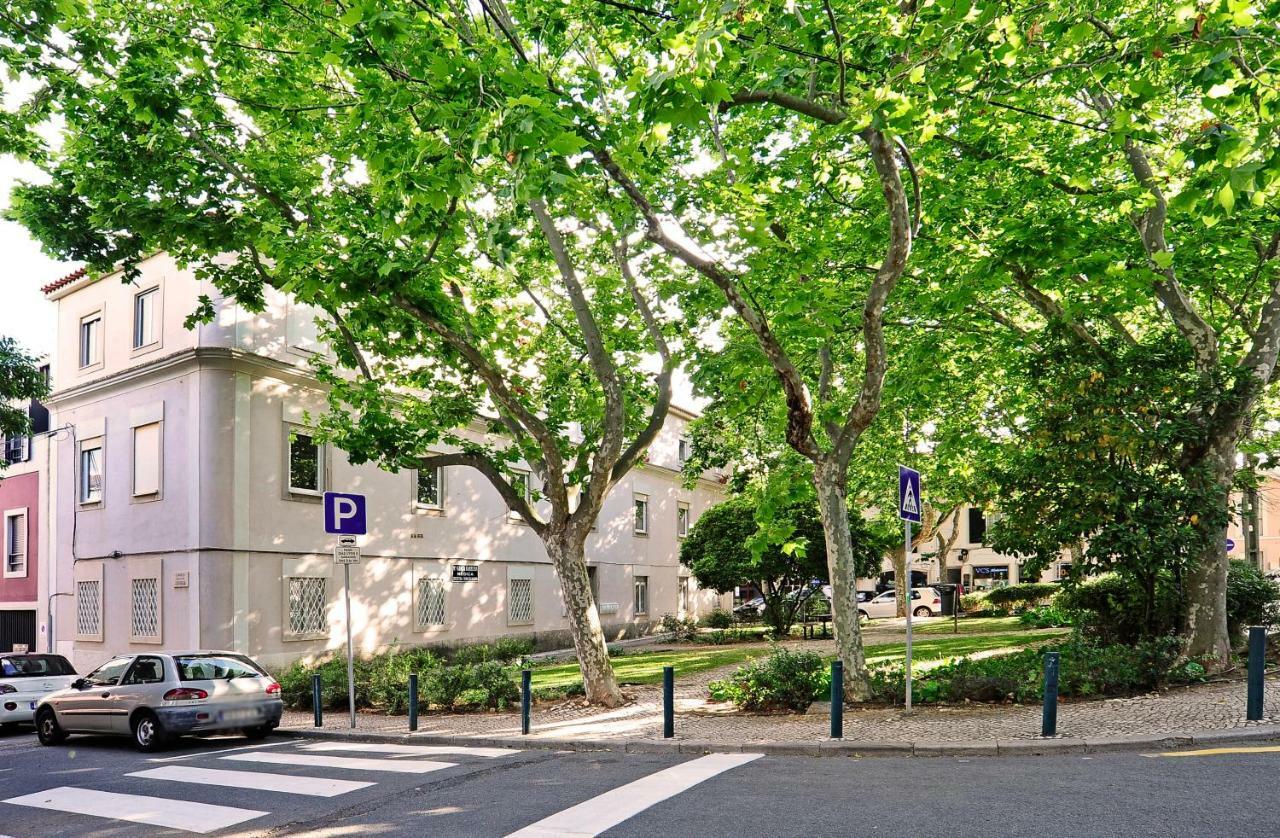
{"x":1215,"y":706}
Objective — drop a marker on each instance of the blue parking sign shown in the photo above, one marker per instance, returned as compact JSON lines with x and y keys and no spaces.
{"x":909,"y":502}
{"x":344,"y":513}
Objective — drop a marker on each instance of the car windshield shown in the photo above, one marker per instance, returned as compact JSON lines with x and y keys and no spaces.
{"x":216,"y":667}
{"x":34,"y":666}
{"x":109,"y":673}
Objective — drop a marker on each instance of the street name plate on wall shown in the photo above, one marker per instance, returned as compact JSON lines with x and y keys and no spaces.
{"x":466,"y":572}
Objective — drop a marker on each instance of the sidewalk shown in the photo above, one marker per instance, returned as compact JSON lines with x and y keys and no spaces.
{"x":1207,"y":712}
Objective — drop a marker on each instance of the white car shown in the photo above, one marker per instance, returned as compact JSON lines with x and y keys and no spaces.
{"x":25,"y":679}
{"x":925,"y":602}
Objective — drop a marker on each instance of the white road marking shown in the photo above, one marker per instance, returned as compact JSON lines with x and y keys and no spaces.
{"x":253,"y":780}
{"x":409,"y":750}
{"x":607,"y":810}
{"x":136,"y":808}
{"x":195,"y":754}
{"x":398,"y":766}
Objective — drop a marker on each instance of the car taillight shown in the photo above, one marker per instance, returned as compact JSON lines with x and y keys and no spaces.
{"x":185,"y":694}
{"x":273,"y":688}
{"x":7,"y":688}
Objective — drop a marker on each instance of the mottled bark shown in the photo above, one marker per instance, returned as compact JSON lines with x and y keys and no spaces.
{"x":829,"y":484}
{"x":570,"y":562}
{"x":1204,"y":630}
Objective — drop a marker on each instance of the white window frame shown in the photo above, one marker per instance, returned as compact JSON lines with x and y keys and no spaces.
{"x":322,"y":464}
{"x":22,"y":449}
{"x":639,"y":505}
{"x":522,"y":574}
{"x":159,"y":609}
{"x":683,"y":521}
{"x":153,"y":294}
{"x":431,"y":574}
{"x":18,"y":572}
{"x":684,"y":450}
{"x":305,"y":567}
{"x":641,"y":583}
{"x":158,"y":492}
{"x":89,"y":350}
{"x":91,"y":574}
{"x":82,"y":474}
{"x":527,"y":477}
{"x":424,"y":506}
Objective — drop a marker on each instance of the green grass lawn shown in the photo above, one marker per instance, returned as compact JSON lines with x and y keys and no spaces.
{"x":646,"y":667}
{"x":971,"y":625}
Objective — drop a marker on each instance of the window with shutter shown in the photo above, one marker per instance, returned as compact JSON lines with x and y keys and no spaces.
{"x":15,"y":543}
{"x":146,"y":460}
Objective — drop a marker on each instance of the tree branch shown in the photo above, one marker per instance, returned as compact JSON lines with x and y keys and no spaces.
{"x":514,"y":499}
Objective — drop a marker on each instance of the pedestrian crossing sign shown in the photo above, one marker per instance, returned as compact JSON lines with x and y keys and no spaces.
{"x":909,"y":494}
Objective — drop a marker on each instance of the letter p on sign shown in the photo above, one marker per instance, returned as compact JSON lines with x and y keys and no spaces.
{"x":344,"y":514}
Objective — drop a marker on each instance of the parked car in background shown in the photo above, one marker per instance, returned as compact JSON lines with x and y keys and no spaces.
{"x":154,"y":696}
{"x":751,"y":608}
{"x":24,"y":680}
{"x":925,"y":602}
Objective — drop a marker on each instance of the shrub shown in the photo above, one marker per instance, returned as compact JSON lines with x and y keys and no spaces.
{"x":973,"y":602}
{"x":1022,"y":596}
{"x":718,"y":619}
{"x":1048,"y":616}
{"x":720,"y":637}
{"x":1251,"y":598}
{"x":686,"y":629}
{"x":1087,"y":669}
{"x":783,"y":680}
{"x":382,"y":681}
{"x":1115,"y":609}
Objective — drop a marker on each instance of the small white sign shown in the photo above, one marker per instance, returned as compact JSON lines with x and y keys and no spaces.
{"x":346,"y":551}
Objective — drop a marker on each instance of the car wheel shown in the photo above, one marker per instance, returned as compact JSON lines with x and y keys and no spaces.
{"x":923,"y":611}
{"x":257,"y":733}
{"x":863,"y":616}
{"x":148,"y":734}
{"x":48,"y":731}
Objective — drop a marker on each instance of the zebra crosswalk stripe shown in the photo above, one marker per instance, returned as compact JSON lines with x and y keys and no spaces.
{"x":409,"y":750}
{"x":137,"y":808}
{"x":398,"y":766}
{"x":253,"y":780}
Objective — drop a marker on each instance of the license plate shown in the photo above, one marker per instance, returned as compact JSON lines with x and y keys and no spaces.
{"x":238,"y":715}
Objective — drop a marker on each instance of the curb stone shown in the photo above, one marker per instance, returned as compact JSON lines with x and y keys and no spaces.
{"x":827,"y":747}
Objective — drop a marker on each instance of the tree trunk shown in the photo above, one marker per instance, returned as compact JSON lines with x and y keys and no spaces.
{"x":598,"y":679}
{"x":901,"y":573}
{"x":1205,"y":623}
{"x":828,"y":482}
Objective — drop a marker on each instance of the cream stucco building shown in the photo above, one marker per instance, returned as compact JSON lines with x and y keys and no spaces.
{"x":186,"y":500}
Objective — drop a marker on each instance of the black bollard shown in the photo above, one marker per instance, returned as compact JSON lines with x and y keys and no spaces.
{"x":413,"y":701}
{"x":837,"y":700}
{"x":317,"y":707}
{"x":668,"y":702}
{"x":1049,"y":721}
{"x":526,"y":698}
{"x":1257,"y":663}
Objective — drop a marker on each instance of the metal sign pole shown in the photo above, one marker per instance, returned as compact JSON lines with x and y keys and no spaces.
{"x":351,"y":680}
{"x":906,"y":529}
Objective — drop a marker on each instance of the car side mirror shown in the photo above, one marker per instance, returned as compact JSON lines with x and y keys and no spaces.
{"x":79,"y":684}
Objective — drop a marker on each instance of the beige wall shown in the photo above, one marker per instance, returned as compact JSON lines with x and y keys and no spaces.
{"x":225,"y":531}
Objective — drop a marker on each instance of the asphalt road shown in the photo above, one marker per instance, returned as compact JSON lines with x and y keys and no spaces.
{"x":101,"y":787}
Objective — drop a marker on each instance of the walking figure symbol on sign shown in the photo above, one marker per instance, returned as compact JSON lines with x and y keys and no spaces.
{"x":908,"y":494}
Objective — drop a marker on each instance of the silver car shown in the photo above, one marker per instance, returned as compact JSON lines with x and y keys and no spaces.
{"x":154,"y":696}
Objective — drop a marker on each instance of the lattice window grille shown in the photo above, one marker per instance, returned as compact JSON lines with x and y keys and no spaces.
{"x":307,"y":605}
{"x":520,"y":602}
{"x":89,"y":608}
{"x":431,"y":593}
{"x":146,"y":607}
